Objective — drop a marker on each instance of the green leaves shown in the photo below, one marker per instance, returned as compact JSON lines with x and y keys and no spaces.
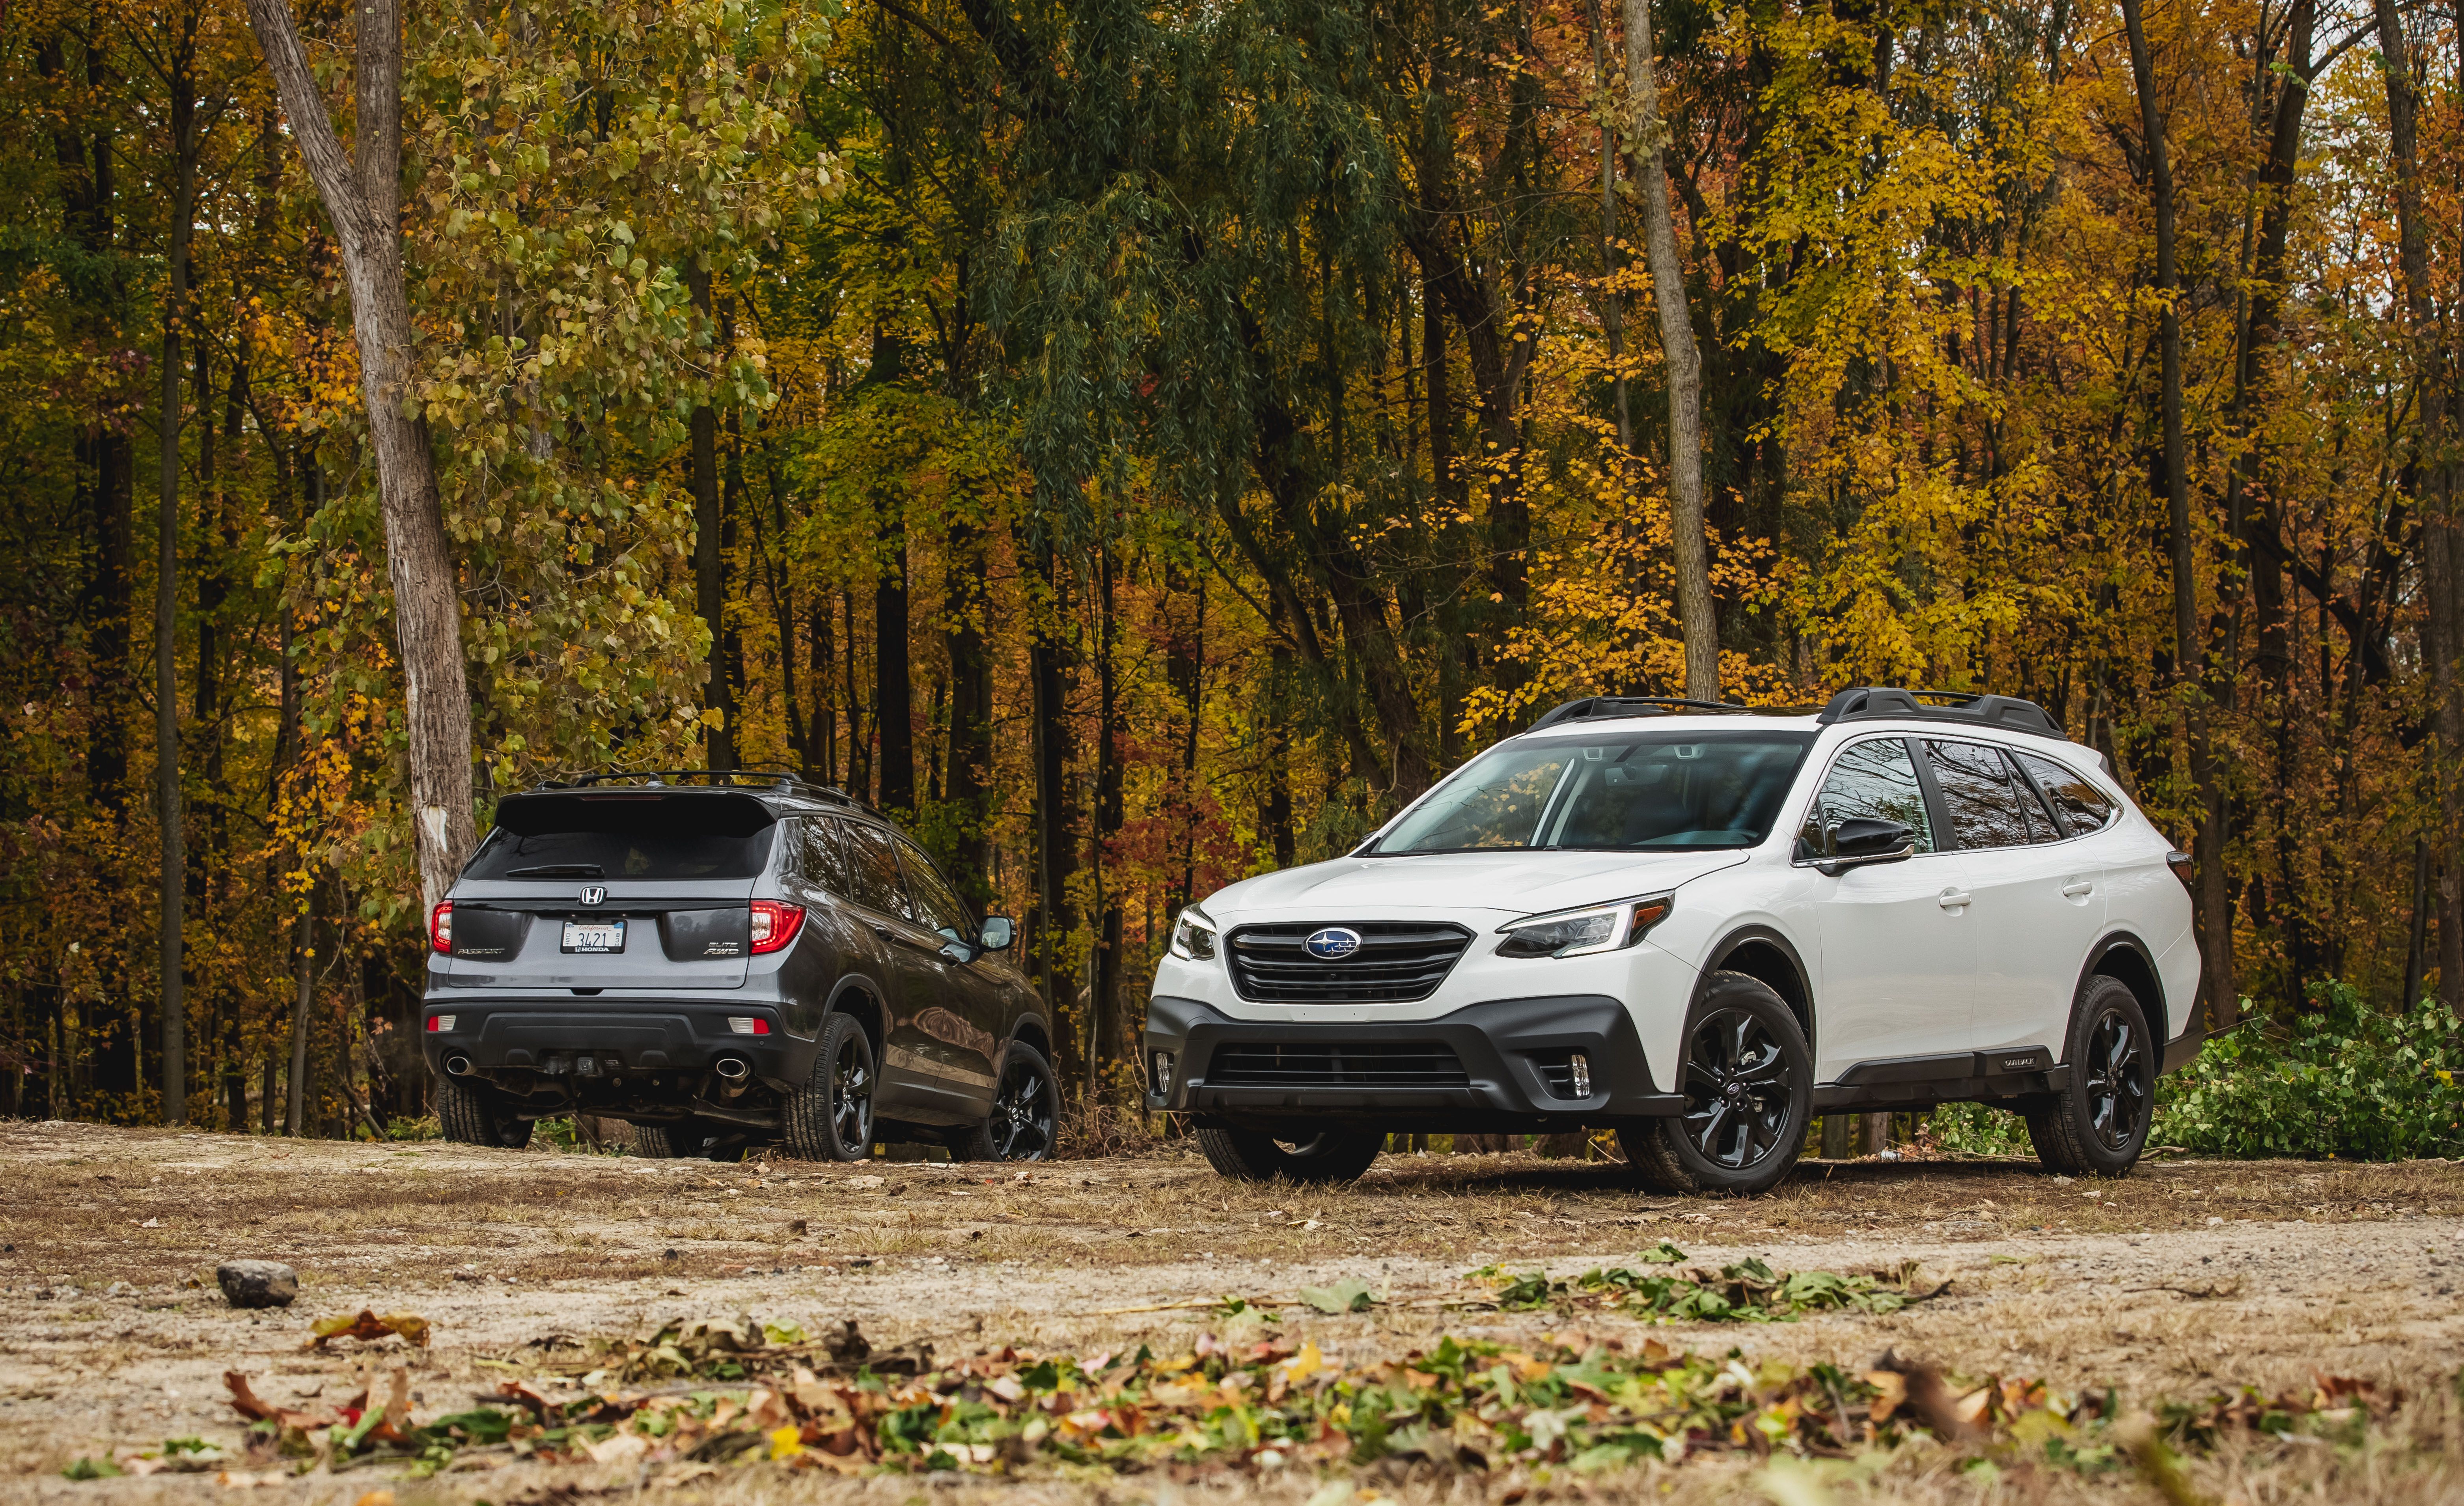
{"x":1747,"y":1292}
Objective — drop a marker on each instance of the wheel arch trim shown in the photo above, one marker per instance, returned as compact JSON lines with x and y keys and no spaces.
{"x":1788,"y":977}
{"x":2121,"y":955}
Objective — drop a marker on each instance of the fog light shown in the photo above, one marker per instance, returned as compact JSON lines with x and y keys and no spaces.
{"x":440,"y":1022}
{"x":1582,"y":1073}
{"x":1163,"y":1071}
{"x":748,"y":1025}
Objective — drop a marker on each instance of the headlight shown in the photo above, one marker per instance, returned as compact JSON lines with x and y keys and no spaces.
{"x":1192,"y":936}
{"x":1573,"y":933}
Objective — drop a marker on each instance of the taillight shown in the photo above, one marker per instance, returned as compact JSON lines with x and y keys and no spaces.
{"x":775,"y":924}
{"x":440,"y":927}
{"x":748,"y":1025}
{"x":440,"y":1022}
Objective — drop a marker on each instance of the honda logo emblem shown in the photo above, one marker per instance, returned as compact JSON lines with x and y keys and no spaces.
{"x":592,"y":894}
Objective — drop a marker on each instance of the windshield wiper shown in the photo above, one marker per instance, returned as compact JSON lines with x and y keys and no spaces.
{"x":558,"y":871}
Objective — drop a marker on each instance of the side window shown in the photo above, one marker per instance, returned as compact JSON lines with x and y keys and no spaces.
{"x":1874,"y":779}
{"x":873,"y":865}
{"x":1983,"y":797}
{"x":2082,"y":807}
{"x":936,"y":905}
{"x":824,"y":857}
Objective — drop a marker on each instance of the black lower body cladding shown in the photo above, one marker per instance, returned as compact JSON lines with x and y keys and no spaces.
{"x":1490,"y":1068}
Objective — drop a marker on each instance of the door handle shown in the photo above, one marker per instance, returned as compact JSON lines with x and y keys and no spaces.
{"x":1953,"y":900}
{"x":2075,"y":888}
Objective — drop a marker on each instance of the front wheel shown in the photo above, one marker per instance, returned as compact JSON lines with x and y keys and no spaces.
{"x":470,"y":1114}
{"x":1260,"y":1155}
{"x":1748,"y":1080}
{"x":2098,"y":1123}
{"x":1025,"y":1120}
{"x":830,"y":1116}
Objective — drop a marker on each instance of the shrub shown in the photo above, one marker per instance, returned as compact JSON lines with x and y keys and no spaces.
{"x":2345,"y":1081}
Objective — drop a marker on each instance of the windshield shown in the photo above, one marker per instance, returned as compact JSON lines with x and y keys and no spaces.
{"x":1639,"y":791}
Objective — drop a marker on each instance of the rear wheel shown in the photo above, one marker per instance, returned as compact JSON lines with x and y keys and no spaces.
{"x":830,"y":1116}
{"x":2098,"y":1123}
{"x":1260,"y":1155}
{"x":667,"y":1141}
{"x":1748,"y":1080}
{"x":1025,"y":1120}
{"x":469,"y":1114}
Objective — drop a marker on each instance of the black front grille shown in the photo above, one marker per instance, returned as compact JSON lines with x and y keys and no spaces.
{"x":1400,"y":961}
{"x":1330,"y":1064}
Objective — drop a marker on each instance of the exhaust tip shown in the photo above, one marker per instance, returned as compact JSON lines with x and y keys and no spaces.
{"x":457,"y":1066}
{"x":735,"y":1069}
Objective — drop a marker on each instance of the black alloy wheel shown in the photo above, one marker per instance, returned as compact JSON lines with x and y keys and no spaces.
{"x":851,"y":1096}
{"x":2116,"y":1083}
{"x":1736,"y":1087}
{"x":830,"y":1116}
{"x":1746,"y":1083}
{"x":2096,"y":1123}
{"x":1024,"y":1124}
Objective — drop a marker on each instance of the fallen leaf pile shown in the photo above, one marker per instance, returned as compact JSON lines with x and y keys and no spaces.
{"x":1747,"y":1292}
{"x":1250,"y":1407}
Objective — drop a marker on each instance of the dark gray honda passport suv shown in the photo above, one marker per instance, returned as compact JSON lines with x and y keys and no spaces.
{"x":725,"y":960}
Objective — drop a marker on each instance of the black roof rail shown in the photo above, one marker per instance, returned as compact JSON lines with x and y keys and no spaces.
{"x":784,"y":781}
{"x":1595,"y":708}
{"x":2008,"y":713}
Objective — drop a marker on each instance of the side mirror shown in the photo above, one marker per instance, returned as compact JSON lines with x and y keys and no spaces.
{"x":996,"y":934}
{"x":1860,"y":840}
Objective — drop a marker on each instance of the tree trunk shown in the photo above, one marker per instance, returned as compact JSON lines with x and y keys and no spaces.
{"x":2429,"y":473}
{"x":893,"y":687}
{"x":2212,"y":898}
{"x":970,"y":750}
{"x":1110,"y":1028}
{"x":1612,"y":310}
{"x":710,"y":560}
{"x":1056,"y":826}
{"x":362,"y":200}
{"x":166,"y":605}
{"x":1683,"y":363}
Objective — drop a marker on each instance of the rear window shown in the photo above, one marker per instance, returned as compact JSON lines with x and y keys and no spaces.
{"x":625,"y":834}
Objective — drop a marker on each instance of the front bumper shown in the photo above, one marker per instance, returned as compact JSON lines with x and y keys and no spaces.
{"x":1512,"y":1056}
{"x":524,"y":1041}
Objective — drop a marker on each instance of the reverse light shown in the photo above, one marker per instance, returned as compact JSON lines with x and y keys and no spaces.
{"x":440,"y":927}
{"x":1575,"y":933}
{"x":748,"y":1025}
{"x":774,"y":925}
{"x":1193,"y":936}
{"x":440,"y":1022}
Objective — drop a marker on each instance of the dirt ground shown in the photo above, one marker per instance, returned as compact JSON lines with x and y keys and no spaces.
{"x":2187,"y":1277}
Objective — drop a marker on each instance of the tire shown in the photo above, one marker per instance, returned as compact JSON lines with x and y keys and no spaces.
{"x":1258,"y":1156}
{"x":1748,"y":1079}
{"x":830,"y":1116}
{"x":469,"y":1113}
{"x":671,"y":1141}
{"x":689,"y":1140}
{"x":1025,"y":1120}
{"x":2096,"y":1125}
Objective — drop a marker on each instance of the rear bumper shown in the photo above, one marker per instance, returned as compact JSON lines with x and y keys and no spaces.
{"x":682,"y":1040}
{"x":1512,"y":1056}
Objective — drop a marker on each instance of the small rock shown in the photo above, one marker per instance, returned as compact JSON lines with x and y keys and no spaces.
{"x":257,"y":1283}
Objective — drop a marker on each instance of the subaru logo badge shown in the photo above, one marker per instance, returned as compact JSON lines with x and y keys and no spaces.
{"x":1332,"y":945}
{"x":592,"y":894}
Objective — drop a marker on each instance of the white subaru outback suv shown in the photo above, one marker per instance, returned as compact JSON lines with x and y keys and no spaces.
{"x":1702,"y":925}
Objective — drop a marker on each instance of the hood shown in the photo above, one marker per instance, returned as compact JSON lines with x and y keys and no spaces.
{"x":1509,"y":882}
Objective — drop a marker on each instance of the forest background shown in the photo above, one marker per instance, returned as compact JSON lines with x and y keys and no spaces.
{"x":1139,"y":446}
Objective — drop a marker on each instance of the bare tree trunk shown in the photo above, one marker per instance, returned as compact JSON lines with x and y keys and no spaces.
{"x":709,"y":561}
{"x":362,"y":199}
{"x":2212,"y":898}
{"x":1612,"y":313}
{"x":1683,"y":362}
{"x":2433,"y":486}
{"x":166,"y":603}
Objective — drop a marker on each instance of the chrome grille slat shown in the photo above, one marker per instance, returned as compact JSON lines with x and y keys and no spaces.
{"x":1400,"y":961}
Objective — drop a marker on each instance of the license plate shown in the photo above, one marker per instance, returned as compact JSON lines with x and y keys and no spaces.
{"x":594,"y":935}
